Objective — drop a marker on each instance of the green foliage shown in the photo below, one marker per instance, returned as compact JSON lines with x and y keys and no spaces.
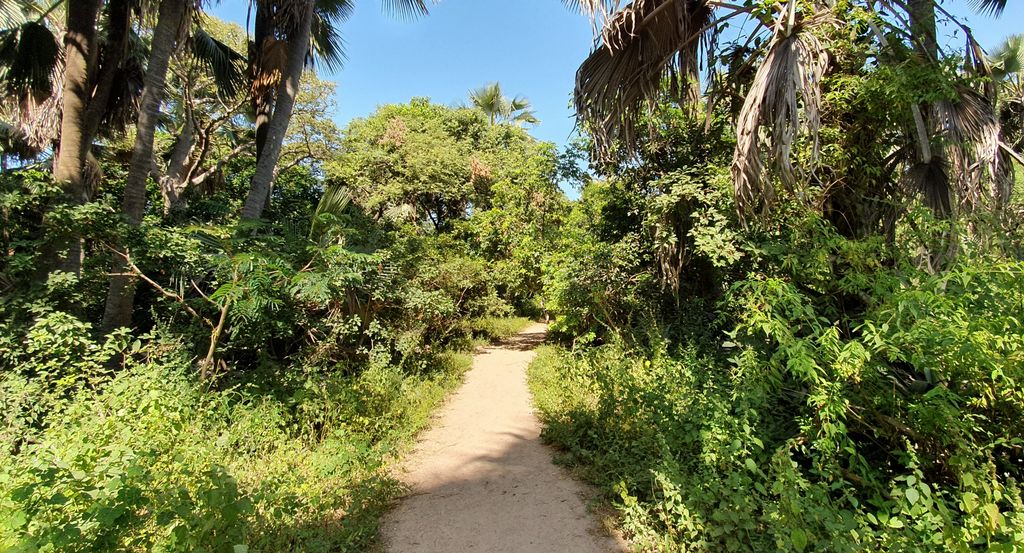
{"x":154,"y":460}
{"x":841,"y":375}
{"x":274,"y":368}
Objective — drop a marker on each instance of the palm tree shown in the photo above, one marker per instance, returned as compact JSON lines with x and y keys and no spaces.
{"x":80,"y":49}
{"x":291,"y":27}
{"x":92,"y":66}
{"x":172,"y":14}
{"x":500,"y":108}
{"x":1008,"y":71}
{"x":647,"y":43}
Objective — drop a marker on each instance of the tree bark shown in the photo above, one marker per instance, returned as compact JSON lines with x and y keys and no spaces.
{"x":263,"y":100}
{"x":121,"y":296}
{"x":174,"y":183}
{"x":112,"y":56}
{"x":80,"y":55}
{"x":922,"y":27}
{"x":287,"y":90}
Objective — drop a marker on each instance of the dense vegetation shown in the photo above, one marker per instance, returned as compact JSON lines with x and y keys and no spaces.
{"x":269,"y":369}
{"x":787,"y":306}
{"x":784,"y":327}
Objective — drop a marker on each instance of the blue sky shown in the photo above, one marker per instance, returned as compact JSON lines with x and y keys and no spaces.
{"x":532,"y":47}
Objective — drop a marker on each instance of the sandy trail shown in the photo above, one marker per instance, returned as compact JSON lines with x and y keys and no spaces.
{"x":480,"y":478}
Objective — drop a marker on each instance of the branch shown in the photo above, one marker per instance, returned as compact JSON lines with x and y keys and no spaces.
{"x":220,"y":163}
{"x":135,"y":271}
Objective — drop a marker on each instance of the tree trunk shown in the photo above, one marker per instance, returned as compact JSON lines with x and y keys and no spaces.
{"x":115,"y":48}
{"x":121,"y":296}
{"x":298,"y":46}
{"x":922,"y":27}
{"x":174,"y":183}
{"x":263,"y":100}
{"x":80,"y":55}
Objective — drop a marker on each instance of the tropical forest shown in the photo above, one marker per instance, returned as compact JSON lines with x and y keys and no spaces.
{"x":536,"y":276}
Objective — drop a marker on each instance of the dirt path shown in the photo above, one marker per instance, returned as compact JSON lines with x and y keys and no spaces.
{"x":482,"y":481}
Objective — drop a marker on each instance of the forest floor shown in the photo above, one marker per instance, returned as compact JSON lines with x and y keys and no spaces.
{"x":481,"y":480}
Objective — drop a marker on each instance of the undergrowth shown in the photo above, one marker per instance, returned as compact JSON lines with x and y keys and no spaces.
{"x":151,"y":459}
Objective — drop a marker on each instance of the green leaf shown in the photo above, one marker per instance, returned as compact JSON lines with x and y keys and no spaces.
{"x":912,"y":495}
{"x":799,"y":538}
{"x":994,"y":518}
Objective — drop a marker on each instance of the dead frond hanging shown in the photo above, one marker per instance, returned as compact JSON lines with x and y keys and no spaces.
{"x":970,"y":131}
{"x":640,"y":46}
{"x":268,"y":66}
{"x":784,"y":102}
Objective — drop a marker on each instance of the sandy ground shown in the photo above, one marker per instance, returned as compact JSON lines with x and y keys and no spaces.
{"x":480,"y":478}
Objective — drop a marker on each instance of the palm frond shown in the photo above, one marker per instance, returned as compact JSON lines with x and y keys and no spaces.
{"x":971,"y":130}
{"x":406,"y":8}
{"x":29,"y":57}
{"x":930,"y":179}
{"x":527,"y":117}
{"x":13,"y":13}
{"x":993,"y":7}
{"x":1008,"y":59}
{"x":226,"y":65}
{"x":641,"y":46}
{"x":332,"y":206}
{"x":784,"y":100}
{"x":487,"y":98}
{"x":326,"y":41}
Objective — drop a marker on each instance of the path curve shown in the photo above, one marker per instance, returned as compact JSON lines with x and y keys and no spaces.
{"x":480,"y":478}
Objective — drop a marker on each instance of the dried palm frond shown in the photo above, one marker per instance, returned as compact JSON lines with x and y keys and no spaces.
{"x":784,"y":100}
{"x":269,"y":66}
{"x":13,"y":141}
{"x":641,"y":45}
{"x":930,"y":179}
{"x":970,"y":128}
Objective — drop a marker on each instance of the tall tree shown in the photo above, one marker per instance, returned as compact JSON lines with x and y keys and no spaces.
{"x":172,"y":14}
{"x":298,"y":46}
{"x":81,"y":50}
{"x":94,"y":70}
{"x":294,"y":25}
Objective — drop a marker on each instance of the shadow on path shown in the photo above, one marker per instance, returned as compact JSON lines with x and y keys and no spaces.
{"x":481,"y":480}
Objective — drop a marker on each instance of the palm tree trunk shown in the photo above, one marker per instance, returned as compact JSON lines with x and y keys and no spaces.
{"x":922,"y":27}
{"x":286,"y":92}
{"x":80,"y":54}
{"x":263,"y":100}
{"x":121,"y":296}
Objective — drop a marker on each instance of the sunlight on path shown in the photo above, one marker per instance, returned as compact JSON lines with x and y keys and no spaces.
{"x":482,"y":481}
